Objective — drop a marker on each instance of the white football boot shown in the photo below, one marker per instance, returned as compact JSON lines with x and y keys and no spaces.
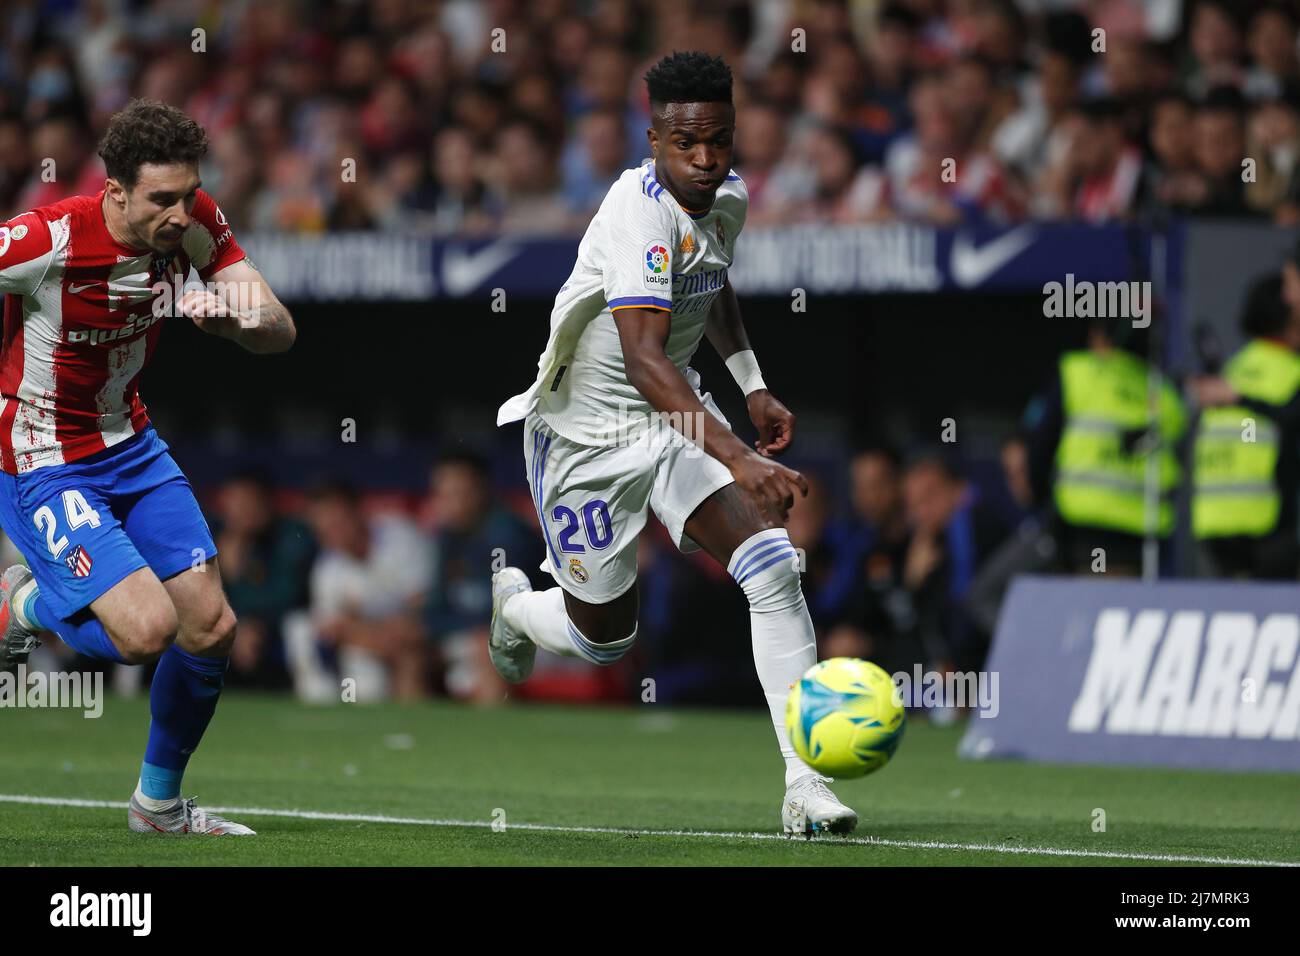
{"x":512,"y":653}
{"x":810,"y":808}
{"x":16,"y":641}
{"x":182,"y":817}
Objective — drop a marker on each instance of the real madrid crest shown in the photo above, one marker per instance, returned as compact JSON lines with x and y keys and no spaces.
{"x":578,"y":571}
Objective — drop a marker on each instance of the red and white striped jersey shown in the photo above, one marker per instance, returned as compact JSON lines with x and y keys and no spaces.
{"x":79,"y":326}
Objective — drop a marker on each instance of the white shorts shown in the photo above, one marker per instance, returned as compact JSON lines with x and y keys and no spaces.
{"x":592,"y":502}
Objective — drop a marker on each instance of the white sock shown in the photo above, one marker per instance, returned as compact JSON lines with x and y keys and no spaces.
{"x":541,"y":616}
{"x":149,"y":803}
{"x":785,"y":645}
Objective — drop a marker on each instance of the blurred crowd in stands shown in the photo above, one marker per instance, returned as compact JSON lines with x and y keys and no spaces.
{"x":478,"y":116}
{"x":906,"y":553}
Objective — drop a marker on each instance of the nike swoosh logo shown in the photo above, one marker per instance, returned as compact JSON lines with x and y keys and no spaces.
{"x":74,"y":289}
{"x":463,"y":272}
{"x":972,"y":265}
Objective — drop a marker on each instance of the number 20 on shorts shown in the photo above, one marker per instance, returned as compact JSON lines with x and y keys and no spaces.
{"x":595,"y":522}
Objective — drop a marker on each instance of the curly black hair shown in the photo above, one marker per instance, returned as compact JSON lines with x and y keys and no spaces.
{"x":146,"y":131}
{"x":689,"y":78}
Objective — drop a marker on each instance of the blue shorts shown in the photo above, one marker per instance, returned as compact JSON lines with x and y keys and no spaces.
{"x":85,"y":526}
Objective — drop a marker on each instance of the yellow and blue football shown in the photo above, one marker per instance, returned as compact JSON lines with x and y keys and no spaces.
{"x":845,"y":717}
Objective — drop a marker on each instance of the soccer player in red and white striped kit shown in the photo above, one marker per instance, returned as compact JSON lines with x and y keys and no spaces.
{"x":121,"y":563}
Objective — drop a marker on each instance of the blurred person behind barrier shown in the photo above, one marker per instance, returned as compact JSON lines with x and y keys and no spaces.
{"x":462,"y":203}
{"x":953,"y":531}
{"x":524,"y":174}
{"x":1219,"y":147}
{"x":471,"y":533}
{"x":1090,"y":437}
{"x":594,"y":159}
{"x":1214,"y":41}
{"x":1271,"y":39}
{"x":368,"y":584}
{"x":1100,"y":170}
{"x":1247,"y":445}
{"x":266,"y":561}
{"x":868,"y":608}
{"x":1273,"y":141}
{"x":66,"y":165}
{"x":935,"y":176}
{"x":809,"y":528}
{"x":1171,"y":181}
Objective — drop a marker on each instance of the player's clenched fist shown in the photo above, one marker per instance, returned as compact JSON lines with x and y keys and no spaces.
{"x":210,"y":312}
{"x":203,"y":306}
{"x":771,"y":484}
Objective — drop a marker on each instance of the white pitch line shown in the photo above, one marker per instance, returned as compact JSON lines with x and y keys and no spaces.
{"x":707,"y":834}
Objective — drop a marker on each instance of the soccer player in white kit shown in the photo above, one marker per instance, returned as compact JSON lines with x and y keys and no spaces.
{"x":615,"y":423}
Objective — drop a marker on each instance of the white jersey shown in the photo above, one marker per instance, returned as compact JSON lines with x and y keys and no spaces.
{"x":642,"y":250}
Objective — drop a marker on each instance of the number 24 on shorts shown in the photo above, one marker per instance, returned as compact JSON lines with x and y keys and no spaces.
{"x":595,"y":522}
{"x":78,"y":512}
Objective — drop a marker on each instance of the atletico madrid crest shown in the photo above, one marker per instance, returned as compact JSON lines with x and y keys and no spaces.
{"x":79,"y":562}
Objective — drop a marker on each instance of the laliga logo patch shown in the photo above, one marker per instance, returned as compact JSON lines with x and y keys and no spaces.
{"x":578,"y":571}
{"x":7,"y":234}
{"x":656,"y":265}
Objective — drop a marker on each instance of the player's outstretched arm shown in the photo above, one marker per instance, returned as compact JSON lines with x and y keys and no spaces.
{"x":643,"y":333}
{"x":726,"y":332}
{"x":241,"y":308}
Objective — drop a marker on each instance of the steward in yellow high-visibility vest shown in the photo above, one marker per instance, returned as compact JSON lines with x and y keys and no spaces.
{"x":1100,"y":434}
{"x":1247,"y":449}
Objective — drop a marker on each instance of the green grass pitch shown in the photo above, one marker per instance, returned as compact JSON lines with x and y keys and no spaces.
{"x":595,"y":786}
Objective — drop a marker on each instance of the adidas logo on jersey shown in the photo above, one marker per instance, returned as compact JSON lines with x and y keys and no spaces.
{"x":688,"y":244}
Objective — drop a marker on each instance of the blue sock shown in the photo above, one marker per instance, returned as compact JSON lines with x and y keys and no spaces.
{"x":82,"y":632}
{"x":182,"y":700}
{"x":32,"y":609}
{"x":160,"y":783}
